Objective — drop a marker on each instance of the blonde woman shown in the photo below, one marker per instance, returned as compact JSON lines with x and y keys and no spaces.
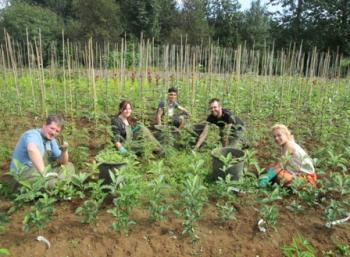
{"x":294,"y":161}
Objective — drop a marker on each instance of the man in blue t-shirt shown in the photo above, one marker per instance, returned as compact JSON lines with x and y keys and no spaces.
{"x":225,"y":120}
{"x":169,"y":108}
{"x":37,"y":149}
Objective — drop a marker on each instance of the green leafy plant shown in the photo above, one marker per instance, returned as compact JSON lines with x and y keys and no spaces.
{"x":127,"y":199}
{"x":193,"y":198}
{"x":340,"y":182}
{"x":4,"y":251}
{"x":156,"y":197}
{"x":227,"y":199}
{"x":89,"y":210}
{"x":333,"y":212}
{"x":110,"y":155}
{"x":270,"y":215}
{"x":79,"y":181}
{"x":343,"y":249}
{"x":40,"y":214}
{"x":299,"y":247}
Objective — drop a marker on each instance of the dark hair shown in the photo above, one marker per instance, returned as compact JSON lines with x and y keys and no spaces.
{"x":172,"y":90}
{"x":214,"y":100}
{"x":58,"y":119}
{"x":122,"y":106}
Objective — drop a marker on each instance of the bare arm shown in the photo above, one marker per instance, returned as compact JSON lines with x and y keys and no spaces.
{"x":35,"y":157}
{"x":64,"y":154}
{"x":158,"y":119}
{"x":183,"y":109}
{"x":202,"y":137}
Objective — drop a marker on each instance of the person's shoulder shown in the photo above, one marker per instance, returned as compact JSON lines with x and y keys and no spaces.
{"x":226,"y":111}
{"x":116,"y":120}
{"x":292,"y":146}
{"x":32,"y":133}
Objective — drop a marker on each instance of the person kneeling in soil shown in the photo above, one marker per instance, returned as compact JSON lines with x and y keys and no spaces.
{"x":168,"y":109}
{"x":37,"y":153}
{"x":295,"y":162}
{"x":125,"y":129}
{"x":226,"y":121}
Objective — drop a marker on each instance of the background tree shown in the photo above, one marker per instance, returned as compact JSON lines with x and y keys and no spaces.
{"x":18,"y":17}
{"x":101,"y":22}
{"x":194,"y":24}
{"x":224,"y":20}
{"x":256,"y":29}
{"x":140,"y":16}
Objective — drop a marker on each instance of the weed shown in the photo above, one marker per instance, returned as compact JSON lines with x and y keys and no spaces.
{"x":299,"y":247}
{"x":270,"y":215}
{"x":157,"y":205}
{"x":39,"y":214}
{"x":223,"y":190}
{"x":193,"y":196}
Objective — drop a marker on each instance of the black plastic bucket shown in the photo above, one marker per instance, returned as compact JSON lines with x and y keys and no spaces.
{"x":104,"y":169}
{"x":235,"y":170}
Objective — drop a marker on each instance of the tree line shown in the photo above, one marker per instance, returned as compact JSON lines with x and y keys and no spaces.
{"x":324,"y":24}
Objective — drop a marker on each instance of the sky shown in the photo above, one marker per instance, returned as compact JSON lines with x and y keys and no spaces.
{"x":245,"y":4}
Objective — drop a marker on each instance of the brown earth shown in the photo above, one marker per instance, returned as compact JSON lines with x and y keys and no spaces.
{"x":240,"y":237}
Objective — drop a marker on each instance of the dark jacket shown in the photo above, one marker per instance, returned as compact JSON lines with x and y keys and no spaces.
{"x":118,"y":129}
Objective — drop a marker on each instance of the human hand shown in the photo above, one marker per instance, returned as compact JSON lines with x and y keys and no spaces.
{"x":64,"y":146}
{"x":136,"y":128}
{"x":122,"y":150}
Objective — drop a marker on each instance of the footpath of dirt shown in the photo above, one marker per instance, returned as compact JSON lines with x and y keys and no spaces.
{"x":240,"y":237}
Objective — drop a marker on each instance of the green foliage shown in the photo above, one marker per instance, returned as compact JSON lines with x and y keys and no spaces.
{"x":193,"y":198}
{"x":299,"y":247}
{"x":256,"y":31}
{"x":101,"y":22}
{"x":21,"y":16}
{"x":4,"y":251}
{"x":227,"y":199}
{"x":128,"y":196}
{"x":333,"y":212}
{"x":40,"y":214}
{"x":110,"y":155}
{"x":89,"y":210}
{"x":270,"y":215}
{"x":343,"y":249}
{"x":157,"y":198}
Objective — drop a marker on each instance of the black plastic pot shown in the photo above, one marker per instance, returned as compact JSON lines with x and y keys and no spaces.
{"x":104,"y":169}
{"x":235,"y":170}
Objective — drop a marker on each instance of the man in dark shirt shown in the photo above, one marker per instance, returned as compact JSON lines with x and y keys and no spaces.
{"x":226,"y":121}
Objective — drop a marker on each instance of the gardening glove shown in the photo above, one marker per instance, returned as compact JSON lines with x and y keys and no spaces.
{"x":122,"y":150}
{"x":267,"y":178}
{"x":136,"y":128}
{"x":64,"y":146}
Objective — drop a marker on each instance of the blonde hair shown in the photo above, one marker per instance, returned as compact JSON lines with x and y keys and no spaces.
{"x":284,"y":129}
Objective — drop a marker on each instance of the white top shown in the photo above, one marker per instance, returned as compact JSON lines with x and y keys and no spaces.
{"x":296,"y":159}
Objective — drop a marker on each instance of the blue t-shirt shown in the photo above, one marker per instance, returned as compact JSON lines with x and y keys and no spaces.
{"x":44,"y":145}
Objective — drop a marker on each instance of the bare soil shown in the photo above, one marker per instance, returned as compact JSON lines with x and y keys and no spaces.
{"x":240,"y":237}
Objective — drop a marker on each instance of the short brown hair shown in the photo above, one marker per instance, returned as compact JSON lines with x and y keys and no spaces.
{"x":214,"y":100}
{"x":58,"y":119}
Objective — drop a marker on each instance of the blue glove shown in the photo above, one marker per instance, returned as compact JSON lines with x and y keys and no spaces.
{"x":264,"y":181}
{"x":136,"y":128}
{"x":122,"y":150}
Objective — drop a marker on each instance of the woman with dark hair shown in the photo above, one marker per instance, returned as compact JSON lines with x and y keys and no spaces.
{"x":124,"y":128}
